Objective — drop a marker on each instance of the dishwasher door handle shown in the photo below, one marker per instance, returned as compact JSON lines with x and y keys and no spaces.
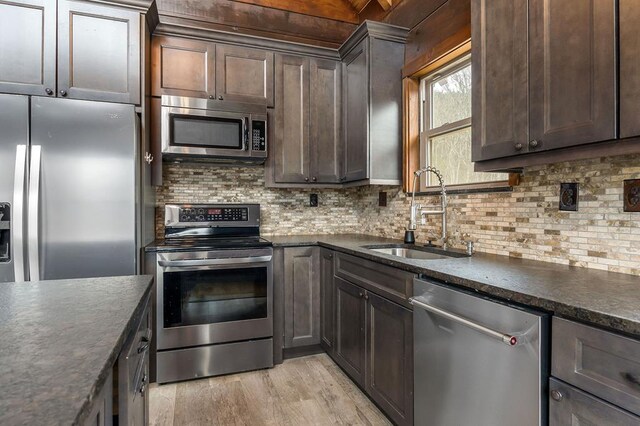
{"x":507,"y":339}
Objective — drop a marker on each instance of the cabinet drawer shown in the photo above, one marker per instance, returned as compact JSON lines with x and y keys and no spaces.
{"x":392,"y":283}
{"x":571,"y":406}
{"x":602,"y":363}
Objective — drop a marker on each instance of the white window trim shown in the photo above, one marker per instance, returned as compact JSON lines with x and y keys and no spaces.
{"x":426,"y":180}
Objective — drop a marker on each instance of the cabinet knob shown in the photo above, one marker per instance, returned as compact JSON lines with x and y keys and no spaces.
{"x":63,"y":93}
{"x":361,"y":294}
{"x":211,"y":97}
{"x":533,"y":143}
{"x":343,"y":178}
{"x":314,"y":179}
{"x":518,"y":146}
{"x":306,"y":179}
{"x":220,"y":98}
{"x":556,"y":395}
{"x":366,"y":296}
{"x":48,"y":91}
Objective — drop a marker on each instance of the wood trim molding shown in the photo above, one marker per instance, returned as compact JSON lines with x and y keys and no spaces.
{"x":417,"y":70}
{"x":410,"y":130}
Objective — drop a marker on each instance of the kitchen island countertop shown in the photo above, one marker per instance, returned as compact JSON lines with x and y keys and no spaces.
{"x":58,"y":342}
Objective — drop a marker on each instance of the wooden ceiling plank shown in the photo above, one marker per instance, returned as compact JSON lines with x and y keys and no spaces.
{"x":386,"y":4}
{"x":339,"y":10}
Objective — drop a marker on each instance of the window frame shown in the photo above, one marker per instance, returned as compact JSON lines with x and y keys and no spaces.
{"x":426,"y":184}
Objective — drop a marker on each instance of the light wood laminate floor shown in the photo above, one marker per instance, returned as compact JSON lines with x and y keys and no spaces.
{"x":310,"y":390}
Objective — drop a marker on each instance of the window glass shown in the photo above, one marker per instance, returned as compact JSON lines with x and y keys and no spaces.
{"x":446,"y":126}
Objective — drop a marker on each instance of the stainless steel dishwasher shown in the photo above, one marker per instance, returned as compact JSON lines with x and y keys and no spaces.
{"x":477,"y":361}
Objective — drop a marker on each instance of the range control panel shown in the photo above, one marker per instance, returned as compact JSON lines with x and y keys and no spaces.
{"x":217,"y":214}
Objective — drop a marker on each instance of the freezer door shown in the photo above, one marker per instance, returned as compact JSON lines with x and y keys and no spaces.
{"x":14,"y":140}
{"x":85,"y":188}
{"x":467,"y":368}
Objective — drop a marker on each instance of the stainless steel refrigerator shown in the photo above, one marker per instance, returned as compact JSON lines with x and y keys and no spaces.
{"x":68,"y":188}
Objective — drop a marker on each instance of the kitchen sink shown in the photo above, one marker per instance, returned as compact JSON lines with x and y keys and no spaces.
{"x":416,"y":252}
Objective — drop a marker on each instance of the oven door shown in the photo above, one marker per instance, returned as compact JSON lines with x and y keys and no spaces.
{"x":201,"y":132}
{"x":210,"y":297}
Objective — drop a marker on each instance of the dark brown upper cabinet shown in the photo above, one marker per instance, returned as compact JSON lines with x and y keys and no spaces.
{"x":307,"y":136}
{"x":372,"y":61}
{"x":80,"y":50}
{"x":182,"y":67}
{"x":544,"y":75}
{"x":204,"y":69}
{"x":244,"y":74}
{"x":629,"y":68}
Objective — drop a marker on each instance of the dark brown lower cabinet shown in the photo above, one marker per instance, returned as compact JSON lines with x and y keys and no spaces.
{"x":327,"y":303}
{"x":389,"y":380}
{"x":301,"y":297}
{"x":350,"y":329}
{"x":374,"y":346}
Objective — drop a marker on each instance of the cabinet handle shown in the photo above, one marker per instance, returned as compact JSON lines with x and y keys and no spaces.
{"x":48,"y":91}
{"x":220,"y":98}
{"x":556,"y":395}
{"x":63,"y":93}
{"x":518,"y":146}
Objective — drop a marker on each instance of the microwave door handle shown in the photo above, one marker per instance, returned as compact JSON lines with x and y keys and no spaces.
{"x":245,"y":133}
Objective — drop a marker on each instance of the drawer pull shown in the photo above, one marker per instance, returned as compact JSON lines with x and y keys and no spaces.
{"x":633,"y":378}
{"x":556,"y":395}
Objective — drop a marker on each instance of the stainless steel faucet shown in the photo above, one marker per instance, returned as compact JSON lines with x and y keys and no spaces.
{"x":416,"y":209}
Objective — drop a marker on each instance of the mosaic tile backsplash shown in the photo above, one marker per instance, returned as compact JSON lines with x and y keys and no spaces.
{"x":523,"y":223}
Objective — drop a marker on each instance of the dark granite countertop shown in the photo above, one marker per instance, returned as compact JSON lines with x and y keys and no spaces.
{"x":58,"y":341}
{"x":607,"y":299}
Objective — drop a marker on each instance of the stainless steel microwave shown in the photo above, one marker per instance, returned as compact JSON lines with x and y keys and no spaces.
{"x":212,"y":130}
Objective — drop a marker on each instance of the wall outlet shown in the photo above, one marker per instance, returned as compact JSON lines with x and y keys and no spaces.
{"x":632,"y":195}
{"x":382,"y":199}
{"x":313,"y":200}
{"x":568,"y":197}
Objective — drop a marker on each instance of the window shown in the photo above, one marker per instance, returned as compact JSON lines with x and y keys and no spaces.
{"x":445,"y":129}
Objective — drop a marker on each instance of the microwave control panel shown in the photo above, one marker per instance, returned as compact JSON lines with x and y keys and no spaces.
{"x":259,"y":135}
{"x":217,"y":214}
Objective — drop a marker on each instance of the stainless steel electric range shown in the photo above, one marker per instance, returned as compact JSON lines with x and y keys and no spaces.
{"x":214,"y":294}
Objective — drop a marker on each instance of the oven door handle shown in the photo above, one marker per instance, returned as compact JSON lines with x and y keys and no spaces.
{"x":213,"y":262}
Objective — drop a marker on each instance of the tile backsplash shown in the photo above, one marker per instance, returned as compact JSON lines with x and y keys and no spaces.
{"x":523,"y":223}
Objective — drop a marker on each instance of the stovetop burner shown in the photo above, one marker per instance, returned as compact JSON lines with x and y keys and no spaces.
{"x":212,"y":226}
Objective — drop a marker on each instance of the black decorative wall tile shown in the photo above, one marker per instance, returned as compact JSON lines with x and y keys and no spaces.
{"x":569,"y":197}
{"x":632,"y":195}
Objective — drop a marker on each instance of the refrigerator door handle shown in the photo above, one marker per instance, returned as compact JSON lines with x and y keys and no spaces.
{"x":34,"y":208}
{"x":17,"y":233}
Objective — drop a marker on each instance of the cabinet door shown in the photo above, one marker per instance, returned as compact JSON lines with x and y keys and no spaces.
{"x":573,"y":73}
{"x":350,"y":325}
{"x":355,"y":69}
{"x":500,"y":78}
{"x":98,"y":52}
{"x":182,"y":67}
{"x":629,"y":68}
{"x":326,"y":121}
{"x":389,"y":379}
{"x":244,"y":74}
{"x":28,"y":47}
{"x":291,"y":145}
{"x":302,"y":297}
{"x":327,"y":303}
{"x":571,"y":406}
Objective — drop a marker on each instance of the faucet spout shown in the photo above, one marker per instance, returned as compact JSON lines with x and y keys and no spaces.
{"x":417,"y":209}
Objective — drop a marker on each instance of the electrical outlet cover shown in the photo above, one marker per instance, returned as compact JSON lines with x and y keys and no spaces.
{"x":569,"y":197}
{"x":632,"y":195}
{"x":313,"y":200}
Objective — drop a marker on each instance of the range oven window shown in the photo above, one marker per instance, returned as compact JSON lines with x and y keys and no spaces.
{"x":215,"y":296}
{"x":206,"y":132}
